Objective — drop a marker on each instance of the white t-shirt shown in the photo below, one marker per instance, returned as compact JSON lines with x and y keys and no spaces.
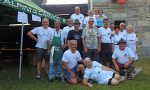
{"x":86,"y":20}
{"x":123,"y":56}
{"x":96,"y":73}
{"x":66,"y":30}
{"x":58,"y":34}
{"x":42,"y":35}
{"x":71,"y":58}
{"x":123,"y":34}
{"x":115,"y":39}
{"x":80,"y":17}
{"x":105,"y":35}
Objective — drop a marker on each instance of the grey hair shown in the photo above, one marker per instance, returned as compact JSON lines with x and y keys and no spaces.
{"x":130,"y":26}
{"x":86,"y":60}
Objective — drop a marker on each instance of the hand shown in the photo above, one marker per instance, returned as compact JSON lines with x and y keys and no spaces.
{"x":63,"y":47}
{"x":73,"y":75}
{"x":85,"y":50}
{"x":48,"y":51}
{"x":117,"y":68}
{"x":98,"y":49}
{"x":90,"y":85}
{"x":126,"y":65}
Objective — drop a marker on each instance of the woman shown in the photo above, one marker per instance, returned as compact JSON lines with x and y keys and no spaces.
{"x":132,"y":40}
{"x":99,"y":73}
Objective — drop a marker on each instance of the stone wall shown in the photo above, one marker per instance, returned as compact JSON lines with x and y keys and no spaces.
{"x":134,"y":12}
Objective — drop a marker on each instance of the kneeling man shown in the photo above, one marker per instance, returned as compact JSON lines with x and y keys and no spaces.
{"x":70,"y":59}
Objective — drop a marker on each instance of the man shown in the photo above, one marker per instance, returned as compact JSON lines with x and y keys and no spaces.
{"x":70,"y":60}
{"x":67,"y":29}
{"x":123,"y":31}
{"x":106,"y":48}
{"x":123,"y":59}
{"x":56,"y":41}
{"x":76,"y":35}
{"x":91,"y":41}
{"x":86,"y":19}
{"x":42,"y":36}
{"x":78,"y":15}
{"x":99,"y":73}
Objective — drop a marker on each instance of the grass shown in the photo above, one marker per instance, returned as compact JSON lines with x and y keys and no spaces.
{"x":9,"y":80}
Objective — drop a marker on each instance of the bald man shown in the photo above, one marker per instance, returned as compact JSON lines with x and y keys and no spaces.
{"x":42,"y":32}
{"x":78,"y":15}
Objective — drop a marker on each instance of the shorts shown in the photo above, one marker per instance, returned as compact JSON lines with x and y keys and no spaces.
{"x":109,"y":82}
{"x":42,"y":54}
{"x":67,"y":74}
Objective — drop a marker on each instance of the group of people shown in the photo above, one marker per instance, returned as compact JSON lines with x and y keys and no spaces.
{"x":88,"y":48}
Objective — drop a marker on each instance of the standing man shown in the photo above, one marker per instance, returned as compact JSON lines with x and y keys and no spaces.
{"x":56,"y":42}
{"x":78,"y":15}
{"x":76,"y":35}
{"x":91,"y":41}
{"x":42,"y":36}
{"x":106,"y":49}
{"x":70,"y":60}
{"x":123,"y":31}
{"x":66,"y":31}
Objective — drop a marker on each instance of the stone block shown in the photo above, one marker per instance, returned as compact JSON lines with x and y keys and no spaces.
{"x":143,"y":23}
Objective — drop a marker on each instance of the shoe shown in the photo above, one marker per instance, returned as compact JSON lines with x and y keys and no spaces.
{"x":38,"y":77}
{"x":50,"y":80}
{"x":90,"y":81}
{"x":58,"y":78}
{"x":129,"y":76}
{"x":123,"y":78}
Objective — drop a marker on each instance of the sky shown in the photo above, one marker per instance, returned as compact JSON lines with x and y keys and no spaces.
{"x":67,"y":1}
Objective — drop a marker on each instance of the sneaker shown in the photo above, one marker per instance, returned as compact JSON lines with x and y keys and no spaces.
{"x":123,"y":78}
{"x":58,"y":78}
{"x":129,"y":76}
{"x":38,"y":77}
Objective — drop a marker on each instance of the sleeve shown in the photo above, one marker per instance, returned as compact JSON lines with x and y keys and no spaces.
{"x":80,"y":58}
{"x":112,"y":40}
{"x":99,"y":35}
{"x":35,"y":30}
{"x":131,"y":54}
{"x":97,"y":64}
{"x":85,"y":21}
{"x":65,"y":57}
{"x":69,"y":36}
{"x":114,"y":55}
{"x":83,"y":33}
{"x":86,"y":74}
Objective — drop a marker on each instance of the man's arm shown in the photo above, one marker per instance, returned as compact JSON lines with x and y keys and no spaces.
{"x":85,"y":82}
{"x":30,"y":34}
{"x":115,"y":64}
{"x":68,"y":69}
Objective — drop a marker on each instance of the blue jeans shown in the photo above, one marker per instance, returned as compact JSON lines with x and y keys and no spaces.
{"x":55,"y":71}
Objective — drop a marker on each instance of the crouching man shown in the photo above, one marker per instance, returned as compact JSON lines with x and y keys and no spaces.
{"x":123,"y":59}
{"x":70,"y":60}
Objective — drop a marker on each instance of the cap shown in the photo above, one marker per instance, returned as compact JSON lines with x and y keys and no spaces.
{"x":76,"y":21}
{"x":122,"y":41}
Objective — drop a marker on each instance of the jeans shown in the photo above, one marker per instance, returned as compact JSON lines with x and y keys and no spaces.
{"x":55,"y":70}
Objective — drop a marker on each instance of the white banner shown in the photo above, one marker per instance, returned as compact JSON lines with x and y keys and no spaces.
{"x":36,"y":18}
{"x":22,"y":17}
